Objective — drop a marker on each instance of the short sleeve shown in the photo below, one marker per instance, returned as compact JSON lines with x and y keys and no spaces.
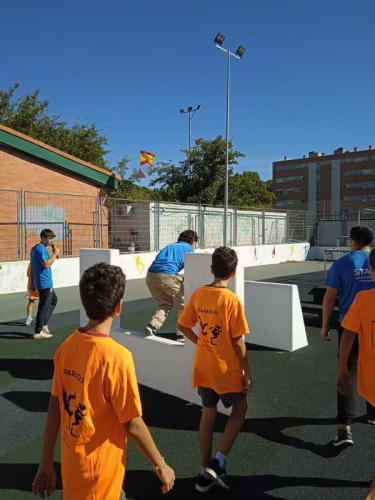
{"x":56,"y":388}
{"x":238,"y":325}
{"x":333,"y":278}
{"x":352,"y":320}
{"x":124,"y":393}
{"x":188,"y":317}
{"x":41,"y":253}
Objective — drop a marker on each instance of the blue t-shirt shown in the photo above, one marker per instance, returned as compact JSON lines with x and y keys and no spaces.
{"x":350,"y":275}
{"x":170,"y":260}
{"x":42,"y":276}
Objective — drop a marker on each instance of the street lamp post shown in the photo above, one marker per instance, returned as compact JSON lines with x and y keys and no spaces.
{"x":190,"y":111}
{"x":219,"y":40}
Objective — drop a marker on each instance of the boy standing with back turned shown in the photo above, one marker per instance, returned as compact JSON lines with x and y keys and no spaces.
{"x":95,"y":402}
{"x":221,"y":370}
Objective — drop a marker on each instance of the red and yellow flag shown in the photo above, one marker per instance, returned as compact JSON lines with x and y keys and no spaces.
{"x":146,"y":158}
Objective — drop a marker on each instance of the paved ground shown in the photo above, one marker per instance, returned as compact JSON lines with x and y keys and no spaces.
{"x":282,"y":453}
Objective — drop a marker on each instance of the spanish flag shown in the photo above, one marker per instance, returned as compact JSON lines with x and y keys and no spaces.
{"x":146,"y":158}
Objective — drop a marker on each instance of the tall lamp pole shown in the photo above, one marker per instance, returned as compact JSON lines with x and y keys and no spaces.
{"x":219,"y":40}
{"x":191,"y":112}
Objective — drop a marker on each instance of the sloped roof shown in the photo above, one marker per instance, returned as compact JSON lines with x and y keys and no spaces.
{"x":58,"y":159}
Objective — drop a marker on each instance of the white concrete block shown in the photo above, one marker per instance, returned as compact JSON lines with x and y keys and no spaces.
{"x":275,"y":314}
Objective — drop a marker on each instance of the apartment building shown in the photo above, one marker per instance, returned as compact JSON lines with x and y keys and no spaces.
{"x":326,"y":183}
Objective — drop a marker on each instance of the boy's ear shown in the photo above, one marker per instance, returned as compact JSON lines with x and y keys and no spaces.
{"x":233,"y":273}
{"x":117,"y":310}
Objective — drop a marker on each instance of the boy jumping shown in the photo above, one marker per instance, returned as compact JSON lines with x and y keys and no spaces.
{"x":95,"y":402}
{"x":221,"y":370}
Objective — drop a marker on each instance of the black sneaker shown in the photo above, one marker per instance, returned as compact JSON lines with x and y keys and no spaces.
{"x":203,"y":483}
{"x":217,"y":473}
{"x":343,"y":437}
{"x":150,"y":330}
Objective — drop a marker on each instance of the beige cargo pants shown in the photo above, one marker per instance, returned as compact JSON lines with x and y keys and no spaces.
{"x":165,"y":289}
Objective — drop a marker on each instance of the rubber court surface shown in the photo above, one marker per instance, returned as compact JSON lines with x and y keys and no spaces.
{"x":283,"y":451}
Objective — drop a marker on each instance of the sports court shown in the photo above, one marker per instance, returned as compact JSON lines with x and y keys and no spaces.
{"x":282,"y":452}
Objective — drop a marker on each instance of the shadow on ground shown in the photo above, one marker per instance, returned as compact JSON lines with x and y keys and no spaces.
{"x":144,"y":485}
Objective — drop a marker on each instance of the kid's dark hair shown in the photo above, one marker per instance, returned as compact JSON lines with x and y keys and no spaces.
{"x":224,"y":262}
{"x":188,"y":236}
{"x":47,"y":233}
{"x":362,"y":235}
{"x":371,"y":260}
{"x":100,"y":288}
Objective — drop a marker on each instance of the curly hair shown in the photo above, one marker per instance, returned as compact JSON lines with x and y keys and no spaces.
{"x":100,"y":288}
{"x":188,"y":236}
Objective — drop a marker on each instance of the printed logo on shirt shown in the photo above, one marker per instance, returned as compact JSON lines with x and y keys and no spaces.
{"x":362,"y":274}
{"x":211,"y":333}
{"x":76,"y":412}
{"x":74,"y":374}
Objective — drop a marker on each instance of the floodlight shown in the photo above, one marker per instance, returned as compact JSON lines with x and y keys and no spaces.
{"x":240,"y":51}
{"x":219,"y":39}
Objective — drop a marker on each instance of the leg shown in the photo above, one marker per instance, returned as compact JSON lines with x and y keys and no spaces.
{"x":52,"y":306}
{"x":346,"y":404}
{"x":29,"y":308}
{"x":206,"y":428}
{"x":43,"y":309}
{"x":233,"y":426}
{"x":156,"y":285}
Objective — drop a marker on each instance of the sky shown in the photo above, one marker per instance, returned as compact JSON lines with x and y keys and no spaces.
{"x":306,"y":81}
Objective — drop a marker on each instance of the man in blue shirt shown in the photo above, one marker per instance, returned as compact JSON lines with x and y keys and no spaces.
{"x":164,"y":282}
{"x":41,"y":264}
{"x":348,"y":275}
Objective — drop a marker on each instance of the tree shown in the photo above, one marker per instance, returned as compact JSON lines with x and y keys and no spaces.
{"x":247,"y":190}
{"x":200,"y":177}
{"x":29,"y":115}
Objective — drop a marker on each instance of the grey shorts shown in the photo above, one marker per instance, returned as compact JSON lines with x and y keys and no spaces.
{"x":210,"y":398}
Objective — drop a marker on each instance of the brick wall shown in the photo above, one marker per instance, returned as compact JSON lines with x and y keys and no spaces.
{"x":49,"y":197}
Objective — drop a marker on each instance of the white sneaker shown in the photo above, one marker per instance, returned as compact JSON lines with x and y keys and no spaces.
{"x":46,"y":329}
{"x":28,"y":321}
{"x":42,"y":335}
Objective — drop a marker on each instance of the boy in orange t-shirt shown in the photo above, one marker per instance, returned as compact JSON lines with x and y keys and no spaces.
{"x":221,"y":370}
{"x":95,"y":402}
{"x":360,"y":320}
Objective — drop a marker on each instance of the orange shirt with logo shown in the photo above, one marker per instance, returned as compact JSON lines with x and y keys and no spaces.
{"x":95,"y":382}
{"x":220,"y":316}
{"x":361,"y":319}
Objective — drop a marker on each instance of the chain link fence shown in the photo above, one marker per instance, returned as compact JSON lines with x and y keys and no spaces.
{"x":148,"y":226}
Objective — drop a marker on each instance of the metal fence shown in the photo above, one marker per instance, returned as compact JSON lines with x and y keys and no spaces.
{"x":89,"y":221}
{"x":76,"y":220}
{"x":148,"y":226}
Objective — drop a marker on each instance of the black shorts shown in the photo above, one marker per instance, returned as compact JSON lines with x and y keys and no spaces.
{"x":210,"y":398}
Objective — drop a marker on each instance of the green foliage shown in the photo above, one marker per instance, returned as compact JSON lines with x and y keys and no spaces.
{"x":200,"y":178}
{"x":29,"y":115}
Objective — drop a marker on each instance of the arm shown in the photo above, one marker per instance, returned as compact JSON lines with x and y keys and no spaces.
{"x":343,"y":376}
{"x":328,"y":307}
{"x":45,"y":478}
{"x":142,"y":439}
{"x":54,"y":256}
{"x":241,"y":352}
{"x":188,"y":332}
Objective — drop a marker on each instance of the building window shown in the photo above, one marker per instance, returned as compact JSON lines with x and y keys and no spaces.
{"x":360,"y":185}
{"x":289,"y":202}
{"x":283,"y":168}
{"x":279,"y":180}
{"x":290,"y":190}
{"x":364,"y":171}
{"x":359,"y":197}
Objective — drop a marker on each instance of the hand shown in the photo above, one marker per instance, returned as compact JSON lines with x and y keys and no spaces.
{"x":344,"y":383}
{"x":167,"y":477}
{"x":371,"y":491}
{"x":45,"y":480}
{"x":55,"y":250}
{"x":325,"y":333}
{"x":248,"y":383}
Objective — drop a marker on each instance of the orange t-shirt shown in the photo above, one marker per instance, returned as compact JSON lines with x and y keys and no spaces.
{"x":221,"y":317}
{"x":361,"y":319}
{"x":95,"y":381}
